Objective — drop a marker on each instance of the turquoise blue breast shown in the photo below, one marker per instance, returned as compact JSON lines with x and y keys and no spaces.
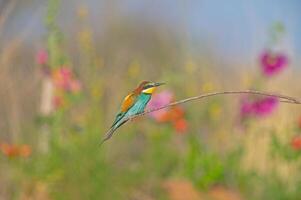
{"x":137,"y":108}
{"x":140,"y":105}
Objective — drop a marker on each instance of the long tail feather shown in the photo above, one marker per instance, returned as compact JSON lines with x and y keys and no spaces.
{"x":108,"y":135}
{"x":110,"y":132}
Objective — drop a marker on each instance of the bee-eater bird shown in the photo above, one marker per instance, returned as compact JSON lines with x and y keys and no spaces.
{"x":133,"y":104}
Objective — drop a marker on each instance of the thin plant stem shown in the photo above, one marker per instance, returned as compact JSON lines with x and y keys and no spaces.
{"x":282,"y":98}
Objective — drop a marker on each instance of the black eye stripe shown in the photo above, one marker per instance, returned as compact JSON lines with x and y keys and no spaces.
{"x":147,"y":86}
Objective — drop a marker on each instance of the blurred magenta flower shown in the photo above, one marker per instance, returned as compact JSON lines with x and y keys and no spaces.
{"x":159,"y":100}
{"x":272,"y":63}
{"x":296,"y":142}
{"x":259,"y":107}
{"x":42,"y":57}
{"x":265,"y":106}
{"x":246,"y":107}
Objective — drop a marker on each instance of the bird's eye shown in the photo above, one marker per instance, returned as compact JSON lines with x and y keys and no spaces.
{"x":148,"y":86}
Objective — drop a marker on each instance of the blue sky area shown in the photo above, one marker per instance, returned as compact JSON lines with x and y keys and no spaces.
{"x":236,"y":28}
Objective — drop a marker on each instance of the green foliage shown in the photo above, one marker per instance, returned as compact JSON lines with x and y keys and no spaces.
{"x":204,"y":167}
{"x":284,"y":151}
{"x":143,"y":154}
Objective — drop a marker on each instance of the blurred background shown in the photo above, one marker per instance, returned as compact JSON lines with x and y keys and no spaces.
{"x":67,"y":65}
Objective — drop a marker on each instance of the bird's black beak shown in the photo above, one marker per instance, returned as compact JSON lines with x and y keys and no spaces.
{"x":158,"y":84}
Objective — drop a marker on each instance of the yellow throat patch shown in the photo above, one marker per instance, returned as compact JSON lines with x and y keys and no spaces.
{"x":149,"y":90}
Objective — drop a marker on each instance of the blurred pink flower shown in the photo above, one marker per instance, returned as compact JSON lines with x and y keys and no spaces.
{"x":63,"y":79}
{"x":273,"y":63}
{"x":159,"y":100}
{"x":174,"y":115}
{"x":259,"y":107}
{"x":42,"y":57}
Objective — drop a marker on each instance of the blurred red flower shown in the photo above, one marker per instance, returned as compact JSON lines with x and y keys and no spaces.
{"x":174,"y":115}
{"x":296,"y":142}
{"x":13,"y":150}
{"x":272,"y":63}
{"x":180,"y":125}
{"x":9,"y":150}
